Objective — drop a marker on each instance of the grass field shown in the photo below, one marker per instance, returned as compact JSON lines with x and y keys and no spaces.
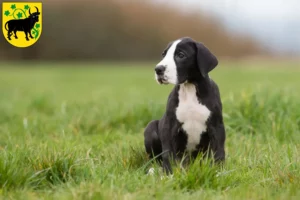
{"x":77,"y":133}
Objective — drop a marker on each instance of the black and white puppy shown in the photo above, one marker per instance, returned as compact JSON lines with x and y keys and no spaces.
{"x":193,"y":120}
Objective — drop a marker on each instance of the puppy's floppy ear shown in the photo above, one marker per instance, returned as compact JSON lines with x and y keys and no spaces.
{"x":206,"y":60}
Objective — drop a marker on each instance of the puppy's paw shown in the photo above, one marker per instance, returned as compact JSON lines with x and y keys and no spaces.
{"x":164,"y":177}
{"x":151,"y":171}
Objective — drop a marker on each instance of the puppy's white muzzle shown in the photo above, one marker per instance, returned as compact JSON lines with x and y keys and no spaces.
{"x":169,"y":74}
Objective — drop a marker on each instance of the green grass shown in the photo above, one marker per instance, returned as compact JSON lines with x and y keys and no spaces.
{"x":77,"y":133}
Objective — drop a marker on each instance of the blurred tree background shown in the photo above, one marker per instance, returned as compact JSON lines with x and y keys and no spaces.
{"x":122,"y":30}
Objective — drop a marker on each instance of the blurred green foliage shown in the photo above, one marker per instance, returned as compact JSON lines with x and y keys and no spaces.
{"x":123,"y":30}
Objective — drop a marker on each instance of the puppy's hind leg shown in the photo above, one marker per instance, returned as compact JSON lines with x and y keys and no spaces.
{"x":151,"y":140}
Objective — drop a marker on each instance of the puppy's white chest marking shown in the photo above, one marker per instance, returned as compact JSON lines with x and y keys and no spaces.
{"x":192,"y":114}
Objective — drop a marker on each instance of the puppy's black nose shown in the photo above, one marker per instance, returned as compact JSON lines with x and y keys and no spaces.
{"x":160,"y":69}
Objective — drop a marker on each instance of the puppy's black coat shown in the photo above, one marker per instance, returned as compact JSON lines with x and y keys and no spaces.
{"x":193,"y":120}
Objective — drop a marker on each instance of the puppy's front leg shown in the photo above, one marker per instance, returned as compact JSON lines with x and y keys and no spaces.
{"x":167,"y":156}
{"x":168,"y":151}
{"x":217,"y":142}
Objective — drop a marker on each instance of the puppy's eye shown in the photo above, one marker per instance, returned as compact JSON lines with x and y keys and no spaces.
{"x":164,"y":54}
{"x":180,"y":55}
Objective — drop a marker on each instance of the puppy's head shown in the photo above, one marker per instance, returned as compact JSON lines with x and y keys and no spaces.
{"x":184,"y":60}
